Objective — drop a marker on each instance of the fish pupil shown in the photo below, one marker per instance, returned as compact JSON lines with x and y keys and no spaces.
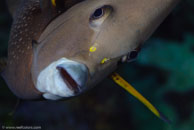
{"x":98,"y":13}
{"x":132,"y":55}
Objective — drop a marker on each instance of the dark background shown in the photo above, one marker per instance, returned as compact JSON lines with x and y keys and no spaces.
{"x":163,"y":73}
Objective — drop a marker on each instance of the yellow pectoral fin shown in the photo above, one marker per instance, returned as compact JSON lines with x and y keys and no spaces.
{"x":53,"y":3}
{"x":124,"y":84}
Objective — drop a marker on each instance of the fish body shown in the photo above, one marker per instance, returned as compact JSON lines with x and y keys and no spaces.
{"x":29,"y":20}
{"x":61,"y":55}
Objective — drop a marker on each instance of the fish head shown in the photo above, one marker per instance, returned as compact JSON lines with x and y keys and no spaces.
{"x":82,"y":46}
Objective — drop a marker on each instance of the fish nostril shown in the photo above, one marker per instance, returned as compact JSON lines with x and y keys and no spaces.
{"x":67,"y":78}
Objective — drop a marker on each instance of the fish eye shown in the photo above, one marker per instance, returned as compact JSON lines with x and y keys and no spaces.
{"x":132,"y":55}
{"x":98,"y":13}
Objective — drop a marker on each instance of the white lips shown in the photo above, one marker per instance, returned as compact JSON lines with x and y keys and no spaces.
{"x":51,"y":83}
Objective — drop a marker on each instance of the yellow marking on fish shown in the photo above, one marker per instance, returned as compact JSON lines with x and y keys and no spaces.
{"x":124,"y":84}
{"x":104,"y":60}
{"x":53,"y":2}
{"x":93,"y":49}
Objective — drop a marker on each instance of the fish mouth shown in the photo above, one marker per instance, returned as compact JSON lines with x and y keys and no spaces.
{"x":63,"y":78}
{"x":69,"y":81}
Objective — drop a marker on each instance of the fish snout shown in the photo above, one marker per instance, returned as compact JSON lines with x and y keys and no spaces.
{"x":62,"y":79}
